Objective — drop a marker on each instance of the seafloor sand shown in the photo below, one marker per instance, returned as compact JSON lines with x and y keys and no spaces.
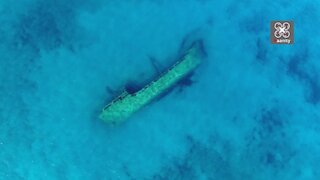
{"x":251,"y":113}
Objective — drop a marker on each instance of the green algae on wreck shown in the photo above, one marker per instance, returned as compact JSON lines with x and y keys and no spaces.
{"x":127,"y":103}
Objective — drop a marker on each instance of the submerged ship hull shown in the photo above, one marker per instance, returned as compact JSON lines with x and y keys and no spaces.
{"x":127,"y":104}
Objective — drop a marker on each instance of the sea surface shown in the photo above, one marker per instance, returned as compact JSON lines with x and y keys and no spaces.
{"x":251,"y":111}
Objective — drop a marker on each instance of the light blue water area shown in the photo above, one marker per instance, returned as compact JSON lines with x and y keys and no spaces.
{"x":252,"y":111}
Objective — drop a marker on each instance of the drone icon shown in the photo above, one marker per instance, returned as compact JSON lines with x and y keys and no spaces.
{"x":282,"y":30}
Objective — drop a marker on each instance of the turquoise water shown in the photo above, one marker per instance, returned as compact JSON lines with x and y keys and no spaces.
{"x":252,"y":111}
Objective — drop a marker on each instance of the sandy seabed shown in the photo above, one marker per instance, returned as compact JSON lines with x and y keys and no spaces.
{"x":252,"y":111}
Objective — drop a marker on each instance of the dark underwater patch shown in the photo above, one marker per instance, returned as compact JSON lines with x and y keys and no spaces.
{"x":294,"y":65}
{"x":268,"y":143}
{"x":188,"y":42}
{"x":255,"y":24}
{"x":269,"y":158}
{"x":186,"y":81}
{"x":47,"y":25}
{"x":271,"y":120}
{"x":195,"y":36}
{"x":200,"y":161}
{"x":295,"y":69}
{"x":176,"y":170}
{"x":314,"y":97}
{"x":156,"y":65}
{"x":203,"y":50}
{"x":261,"y":54}
{"x":132,"y":87}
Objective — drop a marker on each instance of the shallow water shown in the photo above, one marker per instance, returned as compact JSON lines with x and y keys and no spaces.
{"x":251,"y":111}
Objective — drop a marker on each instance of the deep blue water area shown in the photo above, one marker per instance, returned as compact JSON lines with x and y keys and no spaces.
{"x":251,"y":111}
